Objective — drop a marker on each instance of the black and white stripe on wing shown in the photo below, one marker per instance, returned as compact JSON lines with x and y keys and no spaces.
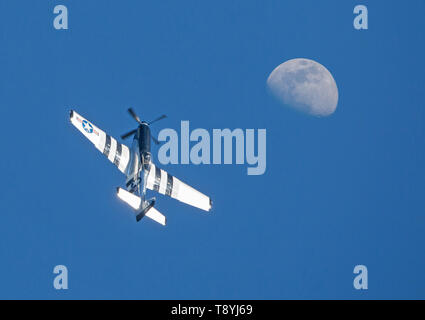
{"x":107,"y":148}
{"x":113,"y":150}
{"x":169,"y":184}
{"x":157,"y":179}
{"x":167,"y":187}
{"x":117,"y":158}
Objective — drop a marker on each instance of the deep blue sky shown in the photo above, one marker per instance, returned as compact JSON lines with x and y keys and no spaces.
{"x":338,"y":192}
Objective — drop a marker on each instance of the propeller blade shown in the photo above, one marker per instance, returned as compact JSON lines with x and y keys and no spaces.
{"x":155,"y":140}
{"x":134,"y":115}
{"x":157,"y":119}
{"x":130,"y":133}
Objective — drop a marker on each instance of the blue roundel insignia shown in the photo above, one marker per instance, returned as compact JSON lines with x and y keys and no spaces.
{"x":87,"y":126}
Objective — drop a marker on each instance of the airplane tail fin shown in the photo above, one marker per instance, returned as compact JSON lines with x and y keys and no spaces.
{"x":143,"y":208}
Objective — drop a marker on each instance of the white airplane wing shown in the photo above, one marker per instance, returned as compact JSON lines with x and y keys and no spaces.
{"x":164,"y":183}
{"x":117,"y":153}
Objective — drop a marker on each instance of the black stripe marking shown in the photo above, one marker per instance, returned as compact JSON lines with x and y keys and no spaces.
{"x":157,"y":179}
{"x":117,"y":158}
{"x":169,"y":185}
{"x":107,"y":146}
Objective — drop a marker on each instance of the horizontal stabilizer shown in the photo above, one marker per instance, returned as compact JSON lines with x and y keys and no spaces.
{"x":156,"y":216}
{"x":131,"y":199}
{"x":146,"y":210}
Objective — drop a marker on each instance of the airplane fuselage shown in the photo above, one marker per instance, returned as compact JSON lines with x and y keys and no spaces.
{"x":140,"y":160}
{"x":143,"y":137}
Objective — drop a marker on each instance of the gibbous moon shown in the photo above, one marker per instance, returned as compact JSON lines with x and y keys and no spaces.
{"x":306,"y":86}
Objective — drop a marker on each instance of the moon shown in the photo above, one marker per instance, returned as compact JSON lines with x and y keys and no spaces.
{"x":304,"y":85}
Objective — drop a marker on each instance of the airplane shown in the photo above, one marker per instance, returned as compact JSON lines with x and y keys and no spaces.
{"x":141,"y":174}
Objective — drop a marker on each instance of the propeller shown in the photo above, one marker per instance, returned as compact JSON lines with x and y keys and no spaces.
{"x":157,"y":119}
{"x":136,"y":117}
{"x":130,"y":133}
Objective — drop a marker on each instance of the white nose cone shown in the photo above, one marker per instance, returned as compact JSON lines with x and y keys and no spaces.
{"x":306,"y":86}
